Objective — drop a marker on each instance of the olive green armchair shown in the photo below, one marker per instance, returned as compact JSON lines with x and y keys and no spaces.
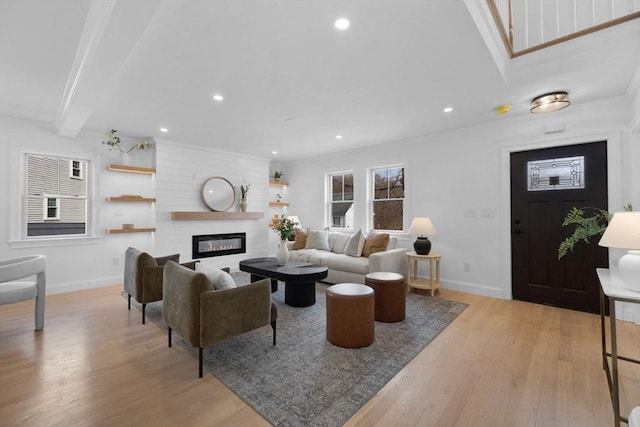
{"x":143,"y":276}
{"x":203,"y":316}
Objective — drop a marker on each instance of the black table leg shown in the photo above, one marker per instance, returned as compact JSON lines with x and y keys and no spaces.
{"x":274,"y":285}
{"x":300,"y":294}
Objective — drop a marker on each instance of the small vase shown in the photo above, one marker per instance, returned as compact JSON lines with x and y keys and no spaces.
{"x":283,"y":253}
{"x":125,"y":158}
{"x":243,"y":205}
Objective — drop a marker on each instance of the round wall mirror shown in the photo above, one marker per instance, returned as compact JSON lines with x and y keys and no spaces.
{"x":218,"y":194}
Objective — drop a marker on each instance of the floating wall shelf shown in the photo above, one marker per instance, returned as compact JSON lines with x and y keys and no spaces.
{"x":278,"y":183}
{"x":131,"y":230}
{"x":278,"y":204}
{"x":131,"y":199}
{"x":131,"y":169}
{"x":196,"y":215}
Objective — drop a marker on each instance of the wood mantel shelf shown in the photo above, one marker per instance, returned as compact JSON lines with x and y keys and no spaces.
{"x":278,"y":204}
{"x":131,"y":169}
{"x":197,"y":215}
{"x":278,"y":183}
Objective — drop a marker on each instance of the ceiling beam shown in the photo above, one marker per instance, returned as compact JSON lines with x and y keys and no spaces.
{"x":111,"y":33}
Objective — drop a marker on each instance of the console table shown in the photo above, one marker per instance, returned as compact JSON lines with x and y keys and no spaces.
{"x":611,"y":287}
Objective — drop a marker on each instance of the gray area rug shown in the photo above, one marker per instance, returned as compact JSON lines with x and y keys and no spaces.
{"x":305,"y":380}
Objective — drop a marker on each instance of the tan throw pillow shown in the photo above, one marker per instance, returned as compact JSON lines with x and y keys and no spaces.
{"x":301,"y":239}
{"x":375,"y":243}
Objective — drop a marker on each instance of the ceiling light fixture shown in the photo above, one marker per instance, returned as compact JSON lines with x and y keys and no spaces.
{"x":550,"y":102}
{"x":448,"y":109}
{"x":274,"y":152}
{"x":218,"y":97}
{"x":338,"y":136}
{"x":342,"y":23}
{"x":165,"y":130}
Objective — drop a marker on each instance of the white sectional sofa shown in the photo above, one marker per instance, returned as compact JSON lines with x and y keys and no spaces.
{"x":349,"y":257}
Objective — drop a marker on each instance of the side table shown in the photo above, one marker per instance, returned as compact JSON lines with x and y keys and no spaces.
{"x":413,"y":281}
{"x":612,"y":288}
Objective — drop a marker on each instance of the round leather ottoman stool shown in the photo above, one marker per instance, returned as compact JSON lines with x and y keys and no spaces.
{"x":350,"y":315}
{"x":390,"y":291}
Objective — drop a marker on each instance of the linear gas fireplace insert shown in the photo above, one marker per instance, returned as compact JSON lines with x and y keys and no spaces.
{"x":210,"y":245}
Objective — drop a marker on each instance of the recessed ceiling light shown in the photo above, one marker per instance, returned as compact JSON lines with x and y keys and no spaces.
{"x":218,"y":97}
{"x":338,"y":136}
{"x":342,"y":23}
{"x":448,"y":109}
{"x":164,"y":130}
{"x":274,"y":152}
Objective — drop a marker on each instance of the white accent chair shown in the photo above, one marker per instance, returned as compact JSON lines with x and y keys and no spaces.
{"x":16,"y":291}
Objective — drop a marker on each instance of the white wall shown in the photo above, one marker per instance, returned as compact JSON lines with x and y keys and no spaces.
{"x":81,"y":263}
{"x":454,"y":175}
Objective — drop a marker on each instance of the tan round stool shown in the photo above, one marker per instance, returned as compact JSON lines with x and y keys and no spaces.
{"x":350,"y":315}
{"x":390,"y":291}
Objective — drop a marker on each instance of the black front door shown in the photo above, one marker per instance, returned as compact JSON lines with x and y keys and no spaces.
{"x":545,"y":185}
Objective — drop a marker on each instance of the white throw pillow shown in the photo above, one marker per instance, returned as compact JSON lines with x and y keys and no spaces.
{"x":220,"y":278}
{"x":355,"y":245}
{"x":317,"y":239}
{"x":340,"y":242}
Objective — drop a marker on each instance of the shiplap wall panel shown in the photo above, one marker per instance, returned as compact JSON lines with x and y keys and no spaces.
{"x":181,"y":171}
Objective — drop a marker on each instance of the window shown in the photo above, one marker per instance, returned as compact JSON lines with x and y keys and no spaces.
{"x":56,"y":190}
{"x":387,"y":198}
{"x":556,"y":174}
{"x":341,"y":202}
{"x":75,"y":169}
{"x":51,"y":208}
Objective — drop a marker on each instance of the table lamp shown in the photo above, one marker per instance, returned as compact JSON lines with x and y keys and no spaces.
{"x":421,"y":226}
{"x":624,"y":232}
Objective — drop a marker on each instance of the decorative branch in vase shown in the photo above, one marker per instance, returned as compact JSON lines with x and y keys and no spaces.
{"x":114,"y":143}
{"x":244,"y":189}
{"x":586,"y":227}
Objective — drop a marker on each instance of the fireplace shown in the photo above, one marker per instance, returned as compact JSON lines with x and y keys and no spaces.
{"x":210,"y":245}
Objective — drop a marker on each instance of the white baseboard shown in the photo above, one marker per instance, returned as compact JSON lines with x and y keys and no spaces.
{"x":474,"y":288}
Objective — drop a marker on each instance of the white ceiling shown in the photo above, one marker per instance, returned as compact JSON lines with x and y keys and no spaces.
{"x":291,"y":81}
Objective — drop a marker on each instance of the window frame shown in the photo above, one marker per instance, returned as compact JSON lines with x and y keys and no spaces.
{"x":87,"y":170}
{"x":329,"y":199}
{"x":46,"y":207}
{"x":80,"y":169}
{"x":371,"y":189}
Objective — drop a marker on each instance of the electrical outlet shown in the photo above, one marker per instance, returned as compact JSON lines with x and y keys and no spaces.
{"x":116,"y":262}
{"x":466,"y":267}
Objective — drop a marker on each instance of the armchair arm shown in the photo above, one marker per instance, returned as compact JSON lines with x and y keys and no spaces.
{"x":230,"y":312}
{"x":394,"y":260}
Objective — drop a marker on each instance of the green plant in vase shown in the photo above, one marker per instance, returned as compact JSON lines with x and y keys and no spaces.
{"x":586,"y":227}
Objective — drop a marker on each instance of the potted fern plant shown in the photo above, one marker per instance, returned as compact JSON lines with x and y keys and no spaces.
{"x":588,"y":222}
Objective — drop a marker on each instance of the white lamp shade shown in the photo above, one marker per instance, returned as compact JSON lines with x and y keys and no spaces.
{"x":623,"y":231}
{"x":295,"y":220}
{"x":422,"y":226}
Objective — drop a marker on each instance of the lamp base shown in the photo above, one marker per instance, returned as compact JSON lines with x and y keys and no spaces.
{"x":422,"y":246}
{"x":629,"y":270}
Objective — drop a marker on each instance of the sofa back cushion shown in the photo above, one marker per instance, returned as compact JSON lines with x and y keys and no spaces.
{"x":375,"y":243}
{"x":317,"y":239}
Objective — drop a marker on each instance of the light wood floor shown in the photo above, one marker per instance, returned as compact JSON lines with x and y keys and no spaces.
{"x":500,"y":363}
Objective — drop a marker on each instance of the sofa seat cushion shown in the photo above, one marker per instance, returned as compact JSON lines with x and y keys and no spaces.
{"x":342,"y":262}
{"x":313,"y":256}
